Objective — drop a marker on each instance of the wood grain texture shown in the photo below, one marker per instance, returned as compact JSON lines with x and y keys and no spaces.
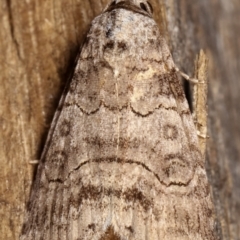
{"x":38,"y":43}
{"x":200,"y":100}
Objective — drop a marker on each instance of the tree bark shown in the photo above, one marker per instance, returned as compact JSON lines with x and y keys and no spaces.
{"x":39,"y":42}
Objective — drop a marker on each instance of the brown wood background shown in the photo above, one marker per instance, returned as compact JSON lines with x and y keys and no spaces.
{"x":39,"y":40}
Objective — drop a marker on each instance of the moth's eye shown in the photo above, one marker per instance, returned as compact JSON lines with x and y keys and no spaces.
{"x":143,"y":7}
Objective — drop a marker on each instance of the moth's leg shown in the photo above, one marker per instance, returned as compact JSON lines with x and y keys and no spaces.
{"x":199,"y":98}
{"x":33,"y":162}
{"x":184,"y":75}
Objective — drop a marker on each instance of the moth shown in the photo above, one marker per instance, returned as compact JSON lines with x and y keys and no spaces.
{"x":122,"y":159}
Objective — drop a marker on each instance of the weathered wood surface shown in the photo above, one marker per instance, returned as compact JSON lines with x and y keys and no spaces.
{"x":39,"y":42}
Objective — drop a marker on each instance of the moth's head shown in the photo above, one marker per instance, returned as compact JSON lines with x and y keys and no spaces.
{"x":142,"y":6}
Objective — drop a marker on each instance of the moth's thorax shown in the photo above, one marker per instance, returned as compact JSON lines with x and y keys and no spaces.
{"x":119,"y":37}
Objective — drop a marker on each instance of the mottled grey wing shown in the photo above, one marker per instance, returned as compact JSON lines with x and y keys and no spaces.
{"x":123,"y":154}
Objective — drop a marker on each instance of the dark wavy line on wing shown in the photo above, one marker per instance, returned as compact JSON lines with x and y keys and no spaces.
{"x":185,"y":112}
{"x":129,"y":161}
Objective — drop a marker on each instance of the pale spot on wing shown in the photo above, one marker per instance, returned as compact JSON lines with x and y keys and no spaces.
{"x":138,"y":93}
{"x":145,"y":75}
